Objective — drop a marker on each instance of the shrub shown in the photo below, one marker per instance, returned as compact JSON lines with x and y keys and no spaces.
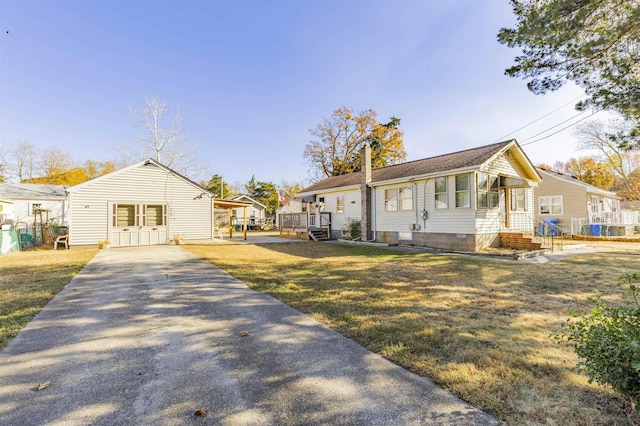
{"x":354,"y":228}
{"x":607,"y":339}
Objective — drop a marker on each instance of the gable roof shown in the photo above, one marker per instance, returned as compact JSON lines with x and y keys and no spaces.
{"x":238,"y":197}
{"x":469,"y":158}
{"x":32,"y":191}
{"x":148,"y":161}
{"x":574,"y":181}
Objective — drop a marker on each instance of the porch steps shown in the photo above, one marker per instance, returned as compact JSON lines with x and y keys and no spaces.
{"x":520,"y":241}
{"x":318,"y":234}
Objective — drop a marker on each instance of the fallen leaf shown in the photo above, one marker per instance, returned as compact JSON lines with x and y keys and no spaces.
{"x":243,"y":334}
{"x":42,"y":386}
{"x":200,"y":412}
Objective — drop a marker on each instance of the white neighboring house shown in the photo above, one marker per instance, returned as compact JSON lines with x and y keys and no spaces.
{"x":146,"y":203}
{"x":256,"y":214}
{"x":29,"y":198}
{"x":464,"y":200}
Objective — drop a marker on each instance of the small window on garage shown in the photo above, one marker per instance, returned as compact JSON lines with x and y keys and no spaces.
{"x":156,"y":215}
{"x":125,"y":215}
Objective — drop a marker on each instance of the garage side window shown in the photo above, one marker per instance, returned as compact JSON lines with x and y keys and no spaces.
{"x":124,"y":215}
{"x":156,"y":215}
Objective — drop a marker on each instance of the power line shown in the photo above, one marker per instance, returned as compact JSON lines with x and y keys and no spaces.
{"x":553,"y":127}
{"x":564,"y":128}
{"x":540,"y":118}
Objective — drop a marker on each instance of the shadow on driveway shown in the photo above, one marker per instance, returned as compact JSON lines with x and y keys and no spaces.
{"x":147,"y":335}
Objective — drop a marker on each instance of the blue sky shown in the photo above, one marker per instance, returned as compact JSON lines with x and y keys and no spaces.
{"x":252,"y":77}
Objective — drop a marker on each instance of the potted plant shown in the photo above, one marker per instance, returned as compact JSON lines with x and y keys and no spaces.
{"x":177,"y":239}
{"x":104,"y":244}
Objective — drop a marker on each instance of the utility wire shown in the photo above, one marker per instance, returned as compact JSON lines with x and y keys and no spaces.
{"x":564,"y":128}
{"x":553,"y":127}
{"x":540,"y":118}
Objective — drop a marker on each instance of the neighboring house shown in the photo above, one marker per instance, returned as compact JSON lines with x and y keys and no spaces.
{"x":457,"y":201}
{"x":256,"y":213}
{"x":575,"y":205}
{"x":29,"y":199}
{"x":146,"y":203}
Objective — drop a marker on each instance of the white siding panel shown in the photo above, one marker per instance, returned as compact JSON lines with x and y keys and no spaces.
{"x":351,"y":203}
{"x":451,"y":220}
{"x":89,"y":205}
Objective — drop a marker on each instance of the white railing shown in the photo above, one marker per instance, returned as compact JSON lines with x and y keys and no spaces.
{"x":624,"y":217}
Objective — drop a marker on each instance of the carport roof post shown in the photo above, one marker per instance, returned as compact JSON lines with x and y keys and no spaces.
{"x":231,"y":204}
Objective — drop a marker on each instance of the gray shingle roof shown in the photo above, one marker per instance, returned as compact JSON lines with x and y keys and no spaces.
{"x":32,"y":191}
{"x":442,"y":163}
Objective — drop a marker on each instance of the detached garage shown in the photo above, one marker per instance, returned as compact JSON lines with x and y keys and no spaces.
{"x":143,"y":204}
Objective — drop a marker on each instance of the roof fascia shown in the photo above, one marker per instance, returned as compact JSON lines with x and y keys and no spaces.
{"x":334,"y":189}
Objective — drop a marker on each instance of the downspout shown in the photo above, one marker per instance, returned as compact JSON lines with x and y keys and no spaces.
{"x":365,"y":193}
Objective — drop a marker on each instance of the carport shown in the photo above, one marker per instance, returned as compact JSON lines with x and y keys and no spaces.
{"x":230,"y":205}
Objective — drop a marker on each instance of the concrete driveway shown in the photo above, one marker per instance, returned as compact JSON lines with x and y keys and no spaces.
{"x":148,"y":335}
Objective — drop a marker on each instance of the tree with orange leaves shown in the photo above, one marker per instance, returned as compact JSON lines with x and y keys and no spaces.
{"x":335,"y":147}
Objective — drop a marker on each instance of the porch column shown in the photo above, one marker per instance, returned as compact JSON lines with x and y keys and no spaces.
{"x":244,"y":215}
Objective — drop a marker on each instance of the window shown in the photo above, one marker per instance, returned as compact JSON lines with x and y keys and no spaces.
{"x":487,"y":191}
{"x":406,"y":198}
{"x":398,"y":199}
{"x":442,"y":201}
{"x":519,"y":199}
{"x":340,"y":204}
{"x":125,"y":215}
{"x":462,"y":191}
{"x":391,"y":200}
{"x":155,"y":215}
{"x":551,"y":205}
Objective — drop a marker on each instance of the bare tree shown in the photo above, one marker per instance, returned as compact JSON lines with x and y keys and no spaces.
{"x":164,"y":138}
{"x":595,"y":135}
{"x":20,"y":160}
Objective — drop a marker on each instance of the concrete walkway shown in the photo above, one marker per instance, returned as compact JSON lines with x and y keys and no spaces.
{"x":148,"y":335}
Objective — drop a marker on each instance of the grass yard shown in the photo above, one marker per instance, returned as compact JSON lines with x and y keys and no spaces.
{"x":29,"y":280}
{"x":480,"y":328}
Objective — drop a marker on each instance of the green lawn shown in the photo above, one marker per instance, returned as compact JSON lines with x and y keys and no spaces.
{"x":480,"y":328}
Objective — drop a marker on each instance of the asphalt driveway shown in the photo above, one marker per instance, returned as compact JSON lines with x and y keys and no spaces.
{"x":149,"y":335}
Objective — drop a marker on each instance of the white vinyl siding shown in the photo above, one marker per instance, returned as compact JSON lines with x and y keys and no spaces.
{"x":460,"y":221}
{"x":350,"y":207}
{"x":188,"y":213}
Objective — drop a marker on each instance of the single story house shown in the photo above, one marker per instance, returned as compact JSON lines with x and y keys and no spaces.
{"x":256,"y":213}
{"x":29,"y":200}
{"x":574,"y":206}
{"x":145,"y":203}
{"x":460,"y":201}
